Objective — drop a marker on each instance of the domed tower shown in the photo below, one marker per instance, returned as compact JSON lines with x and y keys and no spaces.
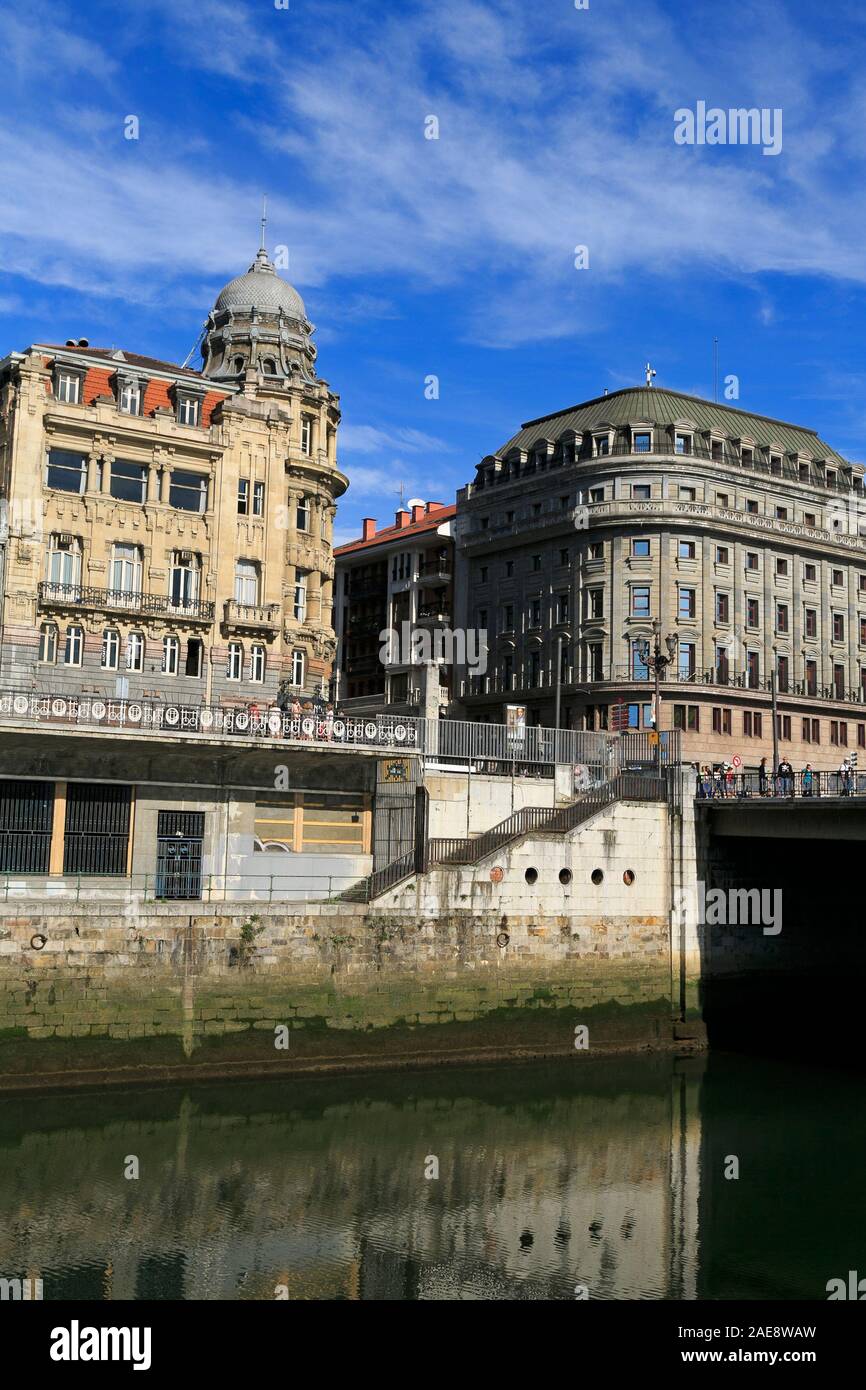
{"x":282,"y":421}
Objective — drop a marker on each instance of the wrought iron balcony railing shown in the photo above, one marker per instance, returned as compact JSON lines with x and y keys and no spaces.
{"x":89,"y":599}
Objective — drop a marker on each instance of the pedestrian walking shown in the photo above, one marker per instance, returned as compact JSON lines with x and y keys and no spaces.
{"x":807,"y":780}
{"x":763,"y":778}
{"x":785,"y":774}
{"x":845,"y":776}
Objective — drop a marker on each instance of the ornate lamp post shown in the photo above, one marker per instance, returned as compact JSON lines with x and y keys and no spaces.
{"x":658,"y":662}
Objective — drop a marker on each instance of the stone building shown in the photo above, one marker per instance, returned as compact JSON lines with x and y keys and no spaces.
{"x":743,"y":536}
{"x":397,"y":580}
{"x":167,"y":532}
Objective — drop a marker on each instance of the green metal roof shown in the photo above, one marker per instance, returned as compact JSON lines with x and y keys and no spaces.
{"x":655,"y":404}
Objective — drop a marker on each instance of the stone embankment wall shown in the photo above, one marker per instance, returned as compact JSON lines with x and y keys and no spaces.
{"x":475,"y":963}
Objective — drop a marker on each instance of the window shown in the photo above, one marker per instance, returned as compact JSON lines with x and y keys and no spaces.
{"x":257,"y":663}
{"x":135,"y":652}
{"x":722,"y":499}
{"x":838,"y":627}
{"x":298,"y":661}
{"x":746,"y":454}
{"x":194,"y":657}
{"x":170,"y":656}
{"x":188,"y":491}
{"x":810,"y":573}
{"x":811,"y":678}
{"x":781,"y":617}
{"x":781,"y":568}
{"x":534,"y":669}
{"x":536,"y":510}
{"x":482,"y":578}
{"x":128,"y":481}
{"x":752,"y":723}
{"x":642,"y":442}
{"x":183,"y":585}
{"x":716,"y":448}
{"x":687,"y":717}
{"x":269,"y":366}
{"x":751,"y":559}
{"x":639,"y":667}
{"x":509,"y":568}
{"x":129,"y":400}
{"x":641,"y":492}
{"x":243,"y":496}
{"x":562,"y":608}
{"x":246,"y":582}
{"x":535,"y":612}
{"x":810,"y":622}
{"x":686,"y":550}
{"x":564,"y":558}
{"x":751,"y":505}
{"x":775,"y":464}
{"x":839,"y":681}
{"x":640,"y":549}
{"x":602,"y":444}
{"x":536,"y":563}
{"x":782,"y":674}
{"x":686,"y":660}
{"x":837,"y":579}
{"x":811,"y":731}
{"x":753,"y":670}
{"x":686,"y":605}
{"x":67,"y":387}
{"x":722,"y":608}
{"x":563,"y":503}
{"x":508,"y":672}
{"x":752,"y":612}
{"x":125,"y":569}
{"x":302,"y":514}
{"x":596,"y":550}
{"x":722,"y":673}
{"x":67,"y":472}
{"x":258,"y":499}
{"x":781,"y":513}
{"x":783,"y":724}
{"x":839,"y":732}
{"x":48,"y":643}
{"x":640,"y":600}
{"x":306,"y":434}
{"x":235,"y":665}
{"x":683,"y":444}
{"x":188,"y":411}
{"x":596,"y":494}
{"x":687,"y":494}
{"x":508,"y":617}
{"x":722,"y":555}
{"x":299,"y":605}
{"x":595,"y":603}
{"x":110,"y":649}
{"x":810,"y":519}
{"x":596,"y":661}
{"x":721,"y":720}
{"x":64,"y":560}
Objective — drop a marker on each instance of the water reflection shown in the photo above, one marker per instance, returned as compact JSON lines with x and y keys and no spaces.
{"x":607,"y":1174}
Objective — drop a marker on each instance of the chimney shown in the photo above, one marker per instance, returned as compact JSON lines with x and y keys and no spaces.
{"x":368,"y":528}
{"x":418,"y":513}
{"x":401,"y":519}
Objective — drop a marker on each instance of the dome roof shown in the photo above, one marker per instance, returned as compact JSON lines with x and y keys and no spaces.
{"x":261,"y":288}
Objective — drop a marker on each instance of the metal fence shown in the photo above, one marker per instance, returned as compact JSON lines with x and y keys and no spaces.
{"x":152,"y":888}
{"x":755,"y":785}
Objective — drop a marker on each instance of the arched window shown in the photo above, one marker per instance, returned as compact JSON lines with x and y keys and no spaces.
{"x":184,"y":581}
{"x":48,"y":643}
{"x":297,"y":677}
{"x":110,"y":649}
{"x":239,"y":364}
{"x":170,"y":656}
{"x":64,"y":560}
{"x":269,"y":366}
{"x":257,"y":663}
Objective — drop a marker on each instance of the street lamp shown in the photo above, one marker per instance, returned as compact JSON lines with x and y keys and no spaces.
{"x":657,"y":662}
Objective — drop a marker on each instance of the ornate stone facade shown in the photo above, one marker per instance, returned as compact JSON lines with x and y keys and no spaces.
{"x":168,"y":532}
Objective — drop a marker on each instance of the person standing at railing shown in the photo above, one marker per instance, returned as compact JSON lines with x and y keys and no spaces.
{"x":785,"y":773}
{"x":729,"y":779}
{"x":846,"y":778}
{"x":764,"y":778}
{"x":807,"y":780}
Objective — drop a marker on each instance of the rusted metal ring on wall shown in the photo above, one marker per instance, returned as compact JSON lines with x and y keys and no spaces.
{"x":37,"y":941}
{"x":503,"y":938}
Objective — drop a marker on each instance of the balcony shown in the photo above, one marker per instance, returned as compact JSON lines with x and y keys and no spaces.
{"x":83,"y":598}
{"x":436,"y":571}
{"x":435,"y":614}
{"x":251,"y":617}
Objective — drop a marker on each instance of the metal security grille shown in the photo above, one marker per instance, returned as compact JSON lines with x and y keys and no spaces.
{"x":97,"y":829}
{"x":178,"y":854}
{"x":26,"y":815}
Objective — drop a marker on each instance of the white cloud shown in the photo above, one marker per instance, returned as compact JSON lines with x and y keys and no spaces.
{"x":368,"y":439}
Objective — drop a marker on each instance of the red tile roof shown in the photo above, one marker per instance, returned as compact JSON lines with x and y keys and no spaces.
{"x":438,"y":513}
{"x":132,"y":359}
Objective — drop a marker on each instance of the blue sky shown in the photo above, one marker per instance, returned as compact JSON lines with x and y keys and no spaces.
{"x":452,"y":257}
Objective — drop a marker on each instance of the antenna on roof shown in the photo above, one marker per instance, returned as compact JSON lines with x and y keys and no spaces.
{"x":650,"y":373}
{"x":716,"y":370}
{"x":193,"y":349}
{"x":264,"y":219}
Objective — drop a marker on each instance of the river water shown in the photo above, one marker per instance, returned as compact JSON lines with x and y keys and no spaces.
{"x":614,"y":1178}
